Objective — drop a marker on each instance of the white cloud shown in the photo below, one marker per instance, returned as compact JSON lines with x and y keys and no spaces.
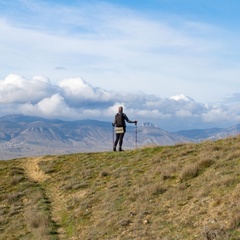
{"x":51,"y":107}
{"x":75,"y":98}
{"x":16,"y":89}
{"x":78,"y":91}
{"x":221,"y":113}
{"x":183,"y":113}
{"x":54,"y":104}
{"x":181,"y":97}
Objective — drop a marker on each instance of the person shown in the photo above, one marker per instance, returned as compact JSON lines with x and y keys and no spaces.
{"x":120,"y":122}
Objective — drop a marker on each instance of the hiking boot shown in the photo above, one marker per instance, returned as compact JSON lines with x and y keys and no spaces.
{"x":114,"y":149}
{"x":121,"y":150}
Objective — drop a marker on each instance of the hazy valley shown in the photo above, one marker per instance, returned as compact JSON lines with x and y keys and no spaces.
{"x":22,"y":136}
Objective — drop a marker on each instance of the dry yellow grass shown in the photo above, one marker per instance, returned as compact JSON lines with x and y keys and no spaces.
{"x":181,"y":192}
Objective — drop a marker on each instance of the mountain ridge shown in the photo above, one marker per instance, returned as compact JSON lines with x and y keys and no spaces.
{"x":25,"y":136}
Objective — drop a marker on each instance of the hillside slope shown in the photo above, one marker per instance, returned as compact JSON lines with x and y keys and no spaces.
{"x":188,"y":191}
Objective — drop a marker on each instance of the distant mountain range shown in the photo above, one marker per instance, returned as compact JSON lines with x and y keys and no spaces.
{"x":25,"y":136}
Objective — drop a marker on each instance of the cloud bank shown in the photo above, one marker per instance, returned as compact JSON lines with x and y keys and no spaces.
{"x":74,"y":99}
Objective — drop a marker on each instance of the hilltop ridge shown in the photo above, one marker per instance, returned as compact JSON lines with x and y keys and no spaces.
{"x":187,"y":191}
{"x":29,"y":136}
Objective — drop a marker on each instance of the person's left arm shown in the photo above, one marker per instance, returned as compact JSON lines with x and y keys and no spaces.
{"x":129,"y":121}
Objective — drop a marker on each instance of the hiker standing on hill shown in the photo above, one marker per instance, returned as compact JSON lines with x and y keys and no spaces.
{"x":120,"y":127}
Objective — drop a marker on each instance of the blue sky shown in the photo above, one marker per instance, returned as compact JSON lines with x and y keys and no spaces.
{"x":142,"y":51}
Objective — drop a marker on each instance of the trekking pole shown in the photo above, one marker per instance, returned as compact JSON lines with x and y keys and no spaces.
{"x":136,"y":135}
{"x":113,"y":135}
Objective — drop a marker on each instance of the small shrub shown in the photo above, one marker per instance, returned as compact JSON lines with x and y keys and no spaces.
{"x":37,"y":196}
{"x":168,"y":172}
{"x":47,"y":167}
{"x":190,"y":171}
{"x":206,"y":163}
{"x":38,"y":222}
{"x":125,"y":223}
{"x":3,"y":196}
{"x":235,"y":220}
{"x":73,"y":184}
{"x":158,"y":190}
{"x":12,"y":197}
{"x":233,"y":155}
{"x":3,"y":220}
{"x":214,"y":233}
{"x":183,"y":186}
{"x":103,"y":174}
{"x":17,"y":179}
{"x":17,"y":171}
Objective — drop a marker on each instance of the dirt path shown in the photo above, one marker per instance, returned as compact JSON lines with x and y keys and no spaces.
{"x":34,"y":172}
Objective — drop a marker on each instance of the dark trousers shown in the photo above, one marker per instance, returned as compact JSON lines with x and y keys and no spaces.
{"x":119,"y":137}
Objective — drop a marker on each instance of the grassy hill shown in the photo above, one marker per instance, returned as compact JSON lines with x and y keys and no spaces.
{"x":181,"y":192}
